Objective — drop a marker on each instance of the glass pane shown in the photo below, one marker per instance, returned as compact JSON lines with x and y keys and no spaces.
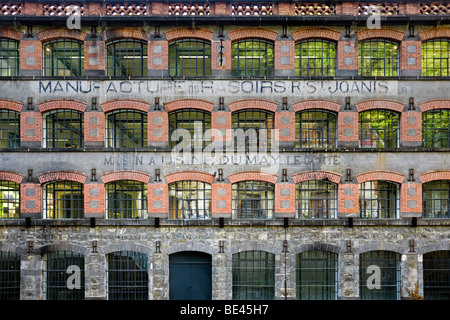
{"x":63,"y":129}
{"x":252,"y":58}
{"x":126,"y":129}
{"x":9,"y":129}
{"x":190,"y":200}
{"x":63,"y":58}
{"x":126,"y":199}
{"x":253,"y":200}
{"x":126,"y":58}
{"x":63,"y":200}
{"x":378,"y":57}
{"x":9,"y":58}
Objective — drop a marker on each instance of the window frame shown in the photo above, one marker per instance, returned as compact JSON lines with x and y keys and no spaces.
{"x":180,"y":58}
{"x":427,"y":126}
{"x":190,"y":119}
{"x":51,"y":57}
{"x":10,"y":126}
{"x":116,"y":66}
{"x":190,"y":195}
{"x":75,"y":209}
{"x":366,"y":204}
{"x":114,"y":134}
{"x":390,"y":65}
{"x":391,"y":134}
{"x":253,"y":119}
{"x":51,"y":132}
{"x":436,"y":269}
{"x":431,"y":211}
{"x":238,"y":57}
{"x":327,"y":129}
{"x":122,"y":190}
{"x":311,"y":45}
{"x":14,"y":199}
{"x":261,"y":199}
{"x":9,"y":276}
{"x":7,"y":58}
{"x":311,"y":186}
{"x":431,"y":71}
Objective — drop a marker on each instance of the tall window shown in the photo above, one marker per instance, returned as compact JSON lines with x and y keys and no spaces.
{"x":252,"y":58}
{"x":378,"y":57}
{"x":436,"y":199}
{"x":9,"y":199}
{"x":190,"y":200}
{"x":379,"y":199}
{"x":190,"y":58}
{"x":126,"y":58}
{"x":378,"y":129}
{"x":315,"y":129}
{"x":316,"y":199}
{"x":9,"y":58}
{"x":436,"y":275}
{"x":436,"y":128}
{"x":253,"y":275}
{"x":253,"y":199}
{"x":196,"y":122}
{"x":126,"y":129}
{"x":59,"y":266}
{"x":63,"y":200}
{"x":63,"y":57}
{"x":388,"y":265}
{"x":63,"y":129}
{"x":9,"y":129}
{"x":436,"y":58}
{"x":126,"y":199}
{"x":252,"y":130}
{"x":316,"y":275}
{"x":9,"y":276}
{"x":315,"y":57}
{"x":127,"y":275}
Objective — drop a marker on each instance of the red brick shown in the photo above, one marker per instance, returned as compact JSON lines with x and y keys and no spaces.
{"x":189,"y":175}
{"x":125,"y":175}
{"x":380,"y":175}
{"x":252,"y":175}
{"x":62,"y":176}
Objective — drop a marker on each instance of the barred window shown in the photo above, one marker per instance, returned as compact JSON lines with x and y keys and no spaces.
{"x":315,"y":129}
{"x":379,"y":129}
{"x":388,"y":265}
{"x":9,"y":276}
{"x":127,"y":275}
{"x":63,"y":57}
{"x":196,"y":122}
{"x":9,"y":199}
{"x":190,"y":58}
{"x":253,"y":275}
{"x":315,"y":57}
{"x":63,"y":129}
{"x":378,"y":57}
{"x":379,"y":199}
{"x":436,"y":275}
{"x":126,"y":129}
{"x":436,"y":57}
{"x":9,"y":129}
{"x":436,"y":199}
{"x":253,"y":199}
{"x":252,"y":130}
{"x":57,"y":285}
{"x":316,"y":273}
{"x":9,"y":58}
{"x":126,"y":58}
{"x":190,"y":200}
{"x":63,"y":200}
{"x":436,"y":128}
{"x":316,"y":199}
{"x":126,"y":199}
{"x":252,"y":58}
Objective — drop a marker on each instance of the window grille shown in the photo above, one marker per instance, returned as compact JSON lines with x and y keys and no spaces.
{"x":390,"y":277}
{"x":379,"y":199}
{"x":126,"y":58}
{"x":316,"y":273}
{"x":378,"y":57}
{"x":252,"y":130}
{"x":126,"y":199}
{"x":190,"y":200}
{"x":63,"y":200}
{"x":316,"y":199}
{"x":436,"y":129}
{"x":9,"y":58}
{"x":190,"y":58}
{"x":127,"y":275}
{"x":63,"y":129}
{"x":253,"y":200}
{"x":436,"y":57}
{"x":253,"y":275}
{"x":252,"y":58}
{"x":436,"y":275}
{"x":378,"y":129}
{"x":9,"y":129}
{"x":194,"y":121}
{"x":9,"y":199}
{"x":315,"y":57}
{"x":126,"y":129}
{"x":56,"y":276}
{"x":63,"y":57}
{"x":9,"y":276}
{"x":436,"y":199}
{"x":315,"y":129}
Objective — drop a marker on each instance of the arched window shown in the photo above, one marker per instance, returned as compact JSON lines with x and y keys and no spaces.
{"x":436,"y":128}
{"x":316,"y":199}
{"x":63,"y":57}
{"x":126,"y":129}
{"x":63,"y":200}
{"x":436,"y":58}
{"x":189,"y":58}
{"x":315,"y":129}
{"x":436,"y":199}
{"x":195,"y":121}
{"x":252,"y":58}
{"x":126,"y":199}
{"x":252,"y":130}
{"x":63,"y":129}
{"x":9,"y":58}
{"x":315,"y":57}
{"x":126,"y":58}
{"x":379,"y":129}
{"x":9,"y":199}
{"x":9,"y":129}
{"x":379,"y":199}
{"x":189,"y":200}
{"x":436,"y":275}
{"x":378,"y":57}
{"x":9,"y":276}
{"x":253,"y":199}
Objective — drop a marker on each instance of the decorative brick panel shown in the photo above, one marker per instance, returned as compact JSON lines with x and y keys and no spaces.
{"x":189,"y":33}
{"x":253,"y":104}
{"x":94,"y":126}
{"x":247,"y":33}
{"x":285,"y":124}
{"x":316,"y":33}
{"x":221,"y":192}
{"x":31,"y":55}
{"x":62,"y":175}
{"x":56,"y":104}
{"x":189,"y":104}
{"x":284,"y":55}
{"x":158,"y":55}
{"x":128,"y":9}
{"x":158,"y":200}
{"x":410,"y":198}
{"x":190,"y":9}
{"x":31,"y":203}
{"x":380,"y":175}
{"x":380,"y":104}
{"x":252,"y":175}
{"x":435,"y":175}
{"x":315,"y":8}
{"x":94,"y":200}
{"x":331,"y":105}
{"x":119,"y":104}
{"x":10,"y":9}
{"x":434,"y":104}
{"x":348,"y":130}
{"x":11,"y":176}
{"x":252,"y":8}
{"x":125,"y":175}
{"x":11,"y":105}
{"x":158,"y":126}
{"x":189,"y":175}
{"x":347,"y":53}
{"x":226,"y":55}
{"x":392,"y":34}
{"x":94,"y":52}
{"x":410,"y":52}
{"x":316,"y":175}
{"x":348,"y":200}
{"x":59,"y":33}
{"x":285,"y":200}
{"x":434,"y":33}
{"x":221,"y":120}
{"x":411,"y":126}
{"x":30,"y":126}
